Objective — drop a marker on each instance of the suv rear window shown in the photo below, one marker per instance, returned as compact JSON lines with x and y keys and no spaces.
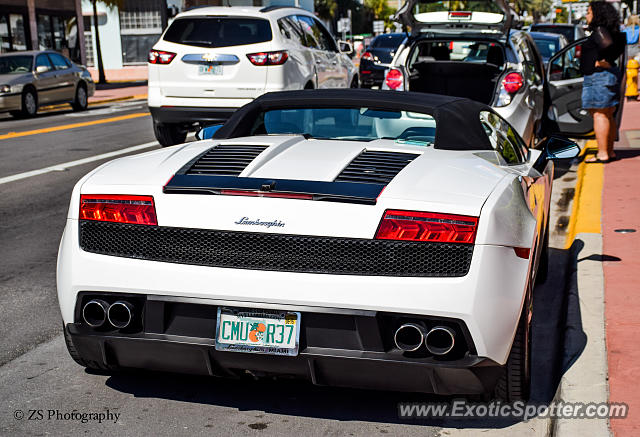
{"x":218,"y":31}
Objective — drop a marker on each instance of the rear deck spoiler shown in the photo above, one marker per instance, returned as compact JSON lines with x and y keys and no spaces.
{"x":347,"y":192}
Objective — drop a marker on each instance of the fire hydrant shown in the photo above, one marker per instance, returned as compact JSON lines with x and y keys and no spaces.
{"x":632,"y":79}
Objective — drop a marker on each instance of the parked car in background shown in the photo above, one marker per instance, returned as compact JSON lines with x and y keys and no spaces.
{"x":34,"y":78}
{"x":212,"y":60}
{"x":471,"y":52}
{"x":548,"y":43}
{"x":375,"y":60}
{"x":572,"y":32}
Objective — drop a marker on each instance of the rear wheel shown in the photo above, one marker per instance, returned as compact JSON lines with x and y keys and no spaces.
{"x":94,"y":365}
{"x":81,"y":101}
{"x":515,"y":381}
{"x":169,"y":134}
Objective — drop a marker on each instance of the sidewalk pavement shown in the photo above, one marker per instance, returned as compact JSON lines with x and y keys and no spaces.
{"x":129,"y":73}
{"x":112,"y":92}
{"x":601,"y":358}
{"x":621,"y":264}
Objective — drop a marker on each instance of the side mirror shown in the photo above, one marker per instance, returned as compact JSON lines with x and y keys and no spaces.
{"x":345,"y":47}
{"x":42,"y":69}
{"x":561,"y":148}
{"x":206,"y":133}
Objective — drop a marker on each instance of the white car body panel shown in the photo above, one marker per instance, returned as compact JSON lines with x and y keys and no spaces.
{"x":488,"y":304}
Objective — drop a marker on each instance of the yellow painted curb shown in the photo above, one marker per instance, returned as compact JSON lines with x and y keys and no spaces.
{"x":586,"y":212}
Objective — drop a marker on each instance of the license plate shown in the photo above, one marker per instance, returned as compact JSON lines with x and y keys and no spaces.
{"x":214,"y":70}
{"x":271,"y":332}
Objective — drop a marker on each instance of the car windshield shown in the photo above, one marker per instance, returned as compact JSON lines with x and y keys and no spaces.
{"x":547,"y":47}
{"x":349,"y":124}
{"x":15,"y":64}
{"x":218,"y":31}
{"x":387,"y":41}
{"x":483,"y":11}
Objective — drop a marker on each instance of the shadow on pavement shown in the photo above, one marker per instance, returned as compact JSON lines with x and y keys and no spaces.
{"x":300,"y":398}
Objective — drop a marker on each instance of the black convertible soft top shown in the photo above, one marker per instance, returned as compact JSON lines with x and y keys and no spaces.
{"x":457,"y":119}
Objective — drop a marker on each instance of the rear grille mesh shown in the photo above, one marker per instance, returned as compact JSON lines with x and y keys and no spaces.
{"x":290,"y":253}
{"x":375,"y":167}
{"x":226,"y":159}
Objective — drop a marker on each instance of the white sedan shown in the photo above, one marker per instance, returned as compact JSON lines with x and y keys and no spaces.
{"x":348,"y":237}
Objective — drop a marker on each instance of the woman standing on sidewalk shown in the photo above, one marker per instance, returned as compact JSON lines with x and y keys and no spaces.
{"x":601,"y":89}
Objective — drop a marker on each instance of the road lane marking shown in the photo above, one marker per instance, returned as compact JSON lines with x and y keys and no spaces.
{"x":65,"y":165}
{"x":72,"y":126}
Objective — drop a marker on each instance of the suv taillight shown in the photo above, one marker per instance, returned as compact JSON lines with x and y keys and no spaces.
{"x":427,"y":226}
{"x":394,"y":79}
{"x":367,"y":56}
{"x":268,"y":58}
{"x":512,"y":82}
{"x":160,"y":57}
{"x":138,"y":210}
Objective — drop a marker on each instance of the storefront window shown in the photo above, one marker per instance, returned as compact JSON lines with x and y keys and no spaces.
{"x":44,"y":32}
{"x":5,"y":42}
{"x":18,"y":38}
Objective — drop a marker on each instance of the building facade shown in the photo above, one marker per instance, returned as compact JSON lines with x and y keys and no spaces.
{"x":42,"y":24}
{"x":127,"y":34}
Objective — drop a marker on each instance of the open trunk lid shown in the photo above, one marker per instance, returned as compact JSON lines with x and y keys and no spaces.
{"x":458,"y":15}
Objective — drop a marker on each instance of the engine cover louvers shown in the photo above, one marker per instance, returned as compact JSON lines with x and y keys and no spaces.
{"x":375,"y":167}
{"x":226,"y":159}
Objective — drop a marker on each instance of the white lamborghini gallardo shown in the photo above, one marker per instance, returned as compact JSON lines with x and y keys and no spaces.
{"x":349,"y":237}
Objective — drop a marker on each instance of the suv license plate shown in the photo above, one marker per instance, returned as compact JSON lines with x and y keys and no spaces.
{"x":214,"y":70}
{"x":270,"y":332}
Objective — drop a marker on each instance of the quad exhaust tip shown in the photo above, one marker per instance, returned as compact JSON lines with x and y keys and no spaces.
{"x":409,"y":337}
{"x":94,"y":312}
{"x":440,"y":340}
{"x":120,"y":314}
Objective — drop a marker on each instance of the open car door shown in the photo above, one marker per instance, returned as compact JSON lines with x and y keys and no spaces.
{"x":459,"y":15}
{"x":565,"y":114}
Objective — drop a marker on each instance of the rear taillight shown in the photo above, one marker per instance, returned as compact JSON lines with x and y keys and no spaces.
{"x":367,"y":56}
{"x":427,"y":226}
{"x":117,"y":208}
{"x":394,"y":79}
{"x":268,"y":58}
{"x":512,"y":82}
{"x":160,"y":57}
{"x":459,"y":15}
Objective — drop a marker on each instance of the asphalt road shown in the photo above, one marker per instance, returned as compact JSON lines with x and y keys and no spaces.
{"x":39,"y":379}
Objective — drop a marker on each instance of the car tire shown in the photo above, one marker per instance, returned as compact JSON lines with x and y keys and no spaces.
{"x":515,"y":382}
{"x":93,"y":365}
{"x":354,"y":82}
{"x":81,"y":101}
{"x":29,"y":103}
{"x":169,"y":134}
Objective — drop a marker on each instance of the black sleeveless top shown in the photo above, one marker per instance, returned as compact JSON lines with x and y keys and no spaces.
{"x":600,"y":45}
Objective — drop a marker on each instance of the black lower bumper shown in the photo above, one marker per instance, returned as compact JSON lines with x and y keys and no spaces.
{"x":190,"y":115}
{"x":345,"y":349}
